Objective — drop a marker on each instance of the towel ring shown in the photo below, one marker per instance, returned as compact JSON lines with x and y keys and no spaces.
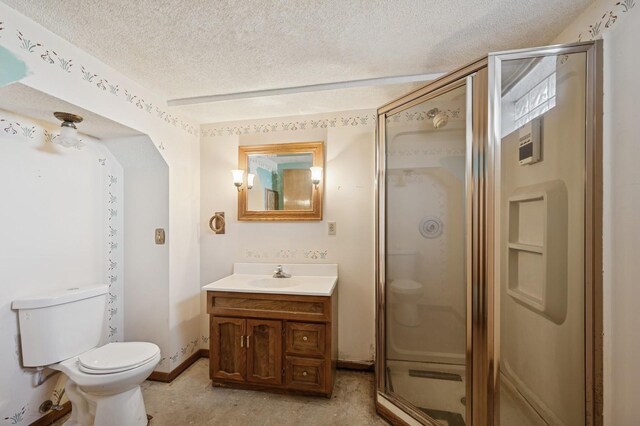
{"x":217,"y":223}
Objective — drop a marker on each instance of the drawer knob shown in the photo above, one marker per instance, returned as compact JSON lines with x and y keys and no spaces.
{"x":304,"y":373}
{"x":305,"y":338}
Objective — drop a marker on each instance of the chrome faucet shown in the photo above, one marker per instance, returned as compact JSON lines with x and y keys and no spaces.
{"x":280,"y":273}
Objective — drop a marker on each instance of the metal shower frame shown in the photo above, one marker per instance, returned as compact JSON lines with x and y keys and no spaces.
{"x":482,"y":79}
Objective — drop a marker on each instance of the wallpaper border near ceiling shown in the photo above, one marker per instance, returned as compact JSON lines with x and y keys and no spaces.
{"x":607,"y":20}
{"x":300,"y":123}
{"x":65,"y":63}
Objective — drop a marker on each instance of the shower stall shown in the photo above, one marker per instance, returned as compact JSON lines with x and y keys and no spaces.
{"x":488,"y":244}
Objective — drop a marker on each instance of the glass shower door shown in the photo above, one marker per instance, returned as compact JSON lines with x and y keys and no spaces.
{"x":425,"y":255}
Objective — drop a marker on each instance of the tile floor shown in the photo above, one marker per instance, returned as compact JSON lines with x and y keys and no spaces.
{"x":190,"y":400}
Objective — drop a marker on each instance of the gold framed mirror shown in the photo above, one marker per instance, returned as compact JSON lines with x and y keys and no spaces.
{"x":282,"y":182}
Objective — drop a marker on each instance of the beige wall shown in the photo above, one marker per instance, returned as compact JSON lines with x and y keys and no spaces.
{"x":622,"y":223}
{"x":348,"y":201}
{"x":621,"y":199}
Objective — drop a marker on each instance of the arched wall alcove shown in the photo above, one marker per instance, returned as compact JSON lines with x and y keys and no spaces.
{"x":73,"y":217}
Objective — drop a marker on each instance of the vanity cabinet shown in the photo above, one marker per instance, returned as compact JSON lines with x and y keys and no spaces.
{"x":279,"y":342}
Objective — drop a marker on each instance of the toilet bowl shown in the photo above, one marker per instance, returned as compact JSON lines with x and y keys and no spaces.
{"x":405,"y":295}
{"x":104,"y":383}
{"x":103,"y":380}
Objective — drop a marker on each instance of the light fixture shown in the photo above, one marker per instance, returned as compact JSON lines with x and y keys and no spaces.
{"x":68,"y":131}
{"x":238,"y":178}
{"x":316,"y":175}
{"x":250,"y":178}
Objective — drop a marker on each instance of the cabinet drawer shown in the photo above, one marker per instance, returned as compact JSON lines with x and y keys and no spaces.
{"x":269,"y":306}
{"x":305,"y":339}
{"x":305,"y":373}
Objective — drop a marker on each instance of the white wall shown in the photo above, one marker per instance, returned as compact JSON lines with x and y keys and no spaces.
{"x":618,"y":23}
{"x":145,"y":207}
{"x":348,"y":200}
{"x":56,"y":228}
{"x":74,"y":76}
{"x":622,"y":221}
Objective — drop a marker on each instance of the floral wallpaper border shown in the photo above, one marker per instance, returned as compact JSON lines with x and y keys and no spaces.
{"x":608,"y":20}
{"x":344,"y":120}
{"x":337,"y":121}
{"x":183,"y":353}
{"x":286,"y":254}
{"x":100,"y":83}
{"x":217,"y":130}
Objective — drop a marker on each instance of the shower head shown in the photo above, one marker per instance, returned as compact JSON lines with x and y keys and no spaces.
{"x":440,"y":118}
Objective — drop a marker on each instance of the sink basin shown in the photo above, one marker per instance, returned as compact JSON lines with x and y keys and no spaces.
{"x":274,"y":283}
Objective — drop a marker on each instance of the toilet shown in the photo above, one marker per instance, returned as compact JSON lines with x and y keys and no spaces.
{"x":404,"y":291}
{"x":63,"y":331}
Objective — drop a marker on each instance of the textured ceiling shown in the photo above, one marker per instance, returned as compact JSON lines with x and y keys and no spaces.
{"x":203,"y":47}
{"x":31,"y":103}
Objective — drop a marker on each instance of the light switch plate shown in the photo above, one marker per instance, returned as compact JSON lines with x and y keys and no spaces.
{"x":331,"y":227}
{"x":159,"y":236}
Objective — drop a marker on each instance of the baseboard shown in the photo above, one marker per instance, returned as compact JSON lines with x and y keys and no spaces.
{"x":356,"y":365}
{"x":159,"y":376}
{"x":53,"y":415}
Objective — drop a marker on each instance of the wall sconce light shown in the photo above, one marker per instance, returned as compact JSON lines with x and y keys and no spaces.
{"x":68,"y":131}
{"x":316,"y":176}
{"x":250,"y":178}
{"x":238,"y":178}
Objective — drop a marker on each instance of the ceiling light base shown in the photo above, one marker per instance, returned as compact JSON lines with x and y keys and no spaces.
{"x":68,"y":117}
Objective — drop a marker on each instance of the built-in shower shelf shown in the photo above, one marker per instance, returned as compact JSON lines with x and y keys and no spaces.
{"x":537,"y":248}
{"x":526,"y":247}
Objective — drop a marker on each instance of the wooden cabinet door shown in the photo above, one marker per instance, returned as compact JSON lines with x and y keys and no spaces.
{"x":264,"y":351}
{"x":227,"y":349}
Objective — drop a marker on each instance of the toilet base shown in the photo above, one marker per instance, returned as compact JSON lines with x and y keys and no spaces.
{"x":406,"y":314}
{"x":126,"y":408}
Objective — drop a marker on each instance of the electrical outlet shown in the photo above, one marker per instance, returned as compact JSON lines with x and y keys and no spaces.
{"x":331,"y":227}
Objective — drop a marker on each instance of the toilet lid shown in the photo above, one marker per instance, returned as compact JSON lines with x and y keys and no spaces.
{"x":116,"y":357}
{"x":406,"y":286}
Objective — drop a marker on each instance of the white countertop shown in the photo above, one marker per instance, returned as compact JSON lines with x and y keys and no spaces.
{"x":308,"y":280}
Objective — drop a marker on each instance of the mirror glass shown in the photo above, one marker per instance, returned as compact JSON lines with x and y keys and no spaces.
{"x":281,"y":182}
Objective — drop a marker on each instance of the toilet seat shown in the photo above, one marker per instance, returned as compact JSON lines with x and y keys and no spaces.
{"x":403,"y":286}
{"x":116,"y":357}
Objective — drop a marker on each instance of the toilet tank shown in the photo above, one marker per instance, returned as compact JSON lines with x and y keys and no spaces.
{"x":61,"y":324}
{"x":401,"y":264}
